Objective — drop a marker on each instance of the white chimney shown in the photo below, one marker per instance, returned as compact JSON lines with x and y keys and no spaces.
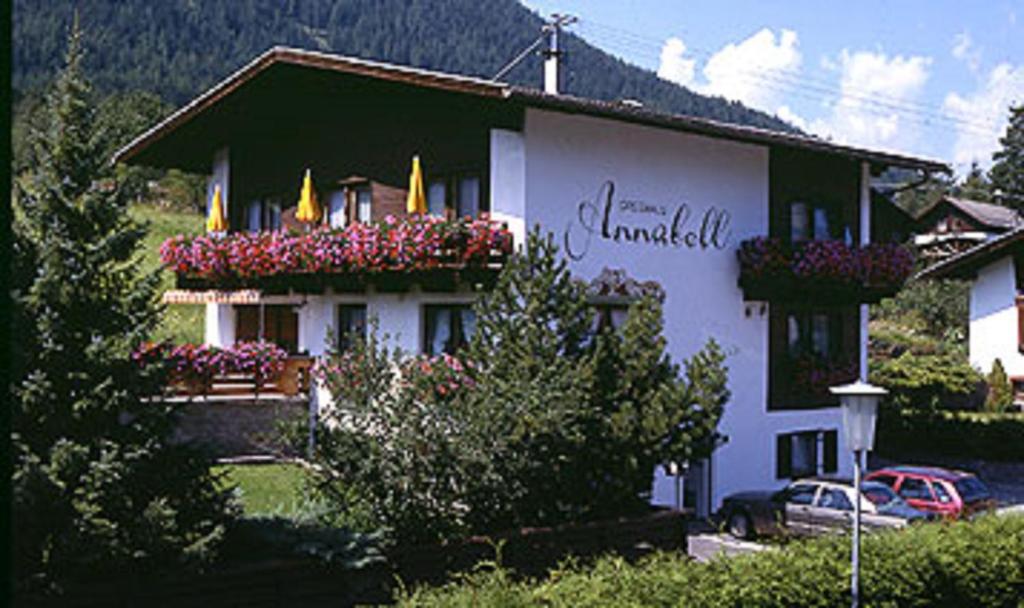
{"x":551,"y":64}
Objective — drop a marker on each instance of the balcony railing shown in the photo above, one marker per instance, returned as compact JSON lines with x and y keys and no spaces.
{"x":246,"y":370}
{"x":822,"y":271}
{"x":409,"y":246}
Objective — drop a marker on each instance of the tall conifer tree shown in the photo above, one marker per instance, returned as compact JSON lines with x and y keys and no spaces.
{"x":1007,"y":173}
{"x":96,"y":485}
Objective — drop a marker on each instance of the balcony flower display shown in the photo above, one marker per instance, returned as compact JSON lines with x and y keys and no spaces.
{"x":770,"y":269}
{"x":195,"y":365}
{"x":395,"y":244}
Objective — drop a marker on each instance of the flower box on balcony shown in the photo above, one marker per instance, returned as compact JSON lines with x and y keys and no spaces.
{"x":824,"y":272}
{"x":390,"y":254}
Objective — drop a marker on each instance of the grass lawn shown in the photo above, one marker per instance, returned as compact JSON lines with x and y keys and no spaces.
{"x":181,"y":323}
{"x":266,"y":489}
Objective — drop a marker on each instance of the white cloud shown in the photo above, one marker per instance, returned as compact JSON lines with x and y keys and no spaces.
{"x":872,"y":90}
{"x":965,"y":50}
{"x":674,"y":66}
{"x":984,"y":113}
{"x":747,"y":71}
{"x":787,"y":114}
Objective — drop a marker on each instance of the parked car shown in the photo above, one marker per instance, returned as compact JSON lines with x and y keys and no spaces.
{"x":951,"y":494}
{"x":815,"y":506}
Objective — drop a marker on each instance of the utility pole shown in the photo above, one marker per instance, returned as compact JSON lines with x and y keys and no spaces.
{"x":554,"y":52}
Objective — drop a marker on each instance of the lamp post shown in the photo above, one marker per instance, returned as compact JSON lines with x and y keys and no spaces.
{"x":859,"y":403}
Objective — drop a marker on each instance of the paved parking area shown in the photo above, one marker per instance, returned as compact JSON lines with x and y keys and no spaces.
{"x":704,"y":543}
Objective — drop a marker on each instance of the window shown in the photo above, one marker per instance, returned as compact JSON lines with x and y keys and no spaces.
{"x":263,"y":214}
{"x":801,"y":494}
{"x":832,"y":498}
{"x":280,"y":324}
{"x":458,"y":193}
{"x":437,"y":197}
{"x":940,"y":492}
{"x":811,"y":349}
{"x":889,"y":480}
{"x":468,"y":204}
{"x":447,"y":327}
{"x":807,"y":222}
{"x":915,"y":489}
{"x":336,"y":204}
{"x":797,"y":455}
{"x":364,"y":200}
{"x":254,"y":216}
{"x":351,"y":324}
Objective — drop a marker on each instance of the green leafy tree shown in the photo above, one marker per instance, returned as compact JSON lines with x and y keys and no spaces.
{"x":97,"y":488}
{"x":1000,"y":391}
{"x":1007,"y":173}
{"x":540,"y":421}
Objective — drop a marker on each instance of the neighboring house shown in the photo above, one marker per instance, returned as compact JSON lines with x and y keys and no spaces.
{"x":953,"y":225}
{"x":996,"y":269}
{"x":639,"y":201}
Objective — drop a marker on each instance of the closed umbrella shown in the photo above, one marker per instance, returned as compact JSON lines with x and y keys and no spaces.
{"x":216,"y":222}
{"x":417,"y":199}
{"x":309,"y":210}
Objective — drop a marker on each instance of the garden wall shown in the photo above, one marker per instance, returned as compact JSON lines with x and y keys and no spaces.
{"x":239,"y":428}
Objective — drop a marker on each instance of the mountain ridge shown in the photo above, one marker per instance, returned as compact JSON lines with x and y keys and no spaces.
{"x":179,"y":48}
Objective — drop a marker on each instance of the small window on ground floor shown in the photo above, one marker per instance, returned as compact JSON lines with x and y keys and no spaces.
{"x":806,"y":453}
{"x":447,"y":327}
{"x":351,"y":324}
{"x":280,"y":324}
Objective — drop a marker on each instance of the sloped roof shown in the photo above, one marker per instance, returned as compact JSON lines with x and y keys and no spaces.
{"x":965,"y":265}
{"x":504,"y":93}
{"x":989,"y":215}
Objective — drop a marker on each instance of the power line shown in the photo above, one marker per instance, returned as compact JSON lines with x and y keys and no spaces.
{"x":786,"y":80}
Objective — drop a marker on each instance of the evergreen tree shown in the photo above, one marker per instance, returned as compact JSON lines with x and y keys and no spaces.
{"x":1007,"y":173}
{"x":97,"y":488}
{"x":975,"y":186}
{"x":1000,"y":391}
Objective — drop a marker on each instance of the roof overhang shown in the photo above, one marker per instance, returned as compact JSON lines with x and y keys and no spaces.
{"x":157,"y":146}
{"x":966,"y":265}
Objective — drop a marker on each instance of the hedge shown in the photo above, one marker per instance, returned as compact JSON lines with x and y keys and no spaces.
{"x":909,"y":433}
{"x":979,"y":563}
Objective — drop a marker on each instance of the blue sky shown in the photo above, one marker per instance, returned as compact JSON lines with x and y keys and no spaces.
{"x":927,"y":77}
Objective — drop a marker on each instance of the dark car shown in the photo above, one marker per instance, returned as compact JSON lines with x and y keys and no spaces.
{"x":815,"y":506}
{"x":950,"y":494}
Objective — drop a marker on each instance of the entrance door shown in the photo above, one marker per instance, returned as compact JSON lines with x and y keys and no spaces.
{"x":696,"y":488}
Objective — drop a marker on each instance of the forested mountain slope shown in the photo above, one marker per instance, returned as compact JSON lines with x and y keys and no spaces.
{"x":178,"y":48}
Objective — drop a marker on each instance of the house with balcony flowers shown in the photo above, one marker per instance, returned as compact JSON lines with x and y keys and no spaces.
{"x":764,"y":241}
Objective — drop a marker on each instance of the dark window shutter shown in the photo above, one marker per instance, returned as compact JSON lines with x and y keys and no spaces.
{"x":783,"y":457}
{"x":830,"y":449}
{"x":1020,"y":324}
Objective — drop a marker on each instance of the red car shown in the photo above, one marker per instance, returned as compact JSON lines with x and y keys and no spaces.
{"x":952,"y":494}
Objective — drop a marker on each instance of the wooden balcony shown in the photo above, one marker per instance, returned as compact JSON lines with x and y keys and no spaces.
{"x":291,"y":385}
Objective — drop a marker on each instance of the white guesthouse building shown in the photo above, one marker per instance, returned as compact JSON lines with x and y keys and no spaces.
{"x":996,"y":271}
{"x":659,"y":197}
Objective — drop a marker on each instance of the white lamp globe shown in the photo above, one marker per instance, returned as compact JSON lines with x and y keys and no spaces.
{"x":859,"y":402}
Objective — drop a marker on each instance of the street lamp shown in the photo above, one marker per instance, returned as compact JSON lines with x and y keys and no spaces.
{"x":859,"y":402}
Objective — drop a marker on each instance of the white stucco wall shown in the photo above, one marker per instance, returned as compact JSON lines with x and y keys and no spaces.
{"x":569,"y":158}
{"x":508,"y":181}
{"x":993,"y":329}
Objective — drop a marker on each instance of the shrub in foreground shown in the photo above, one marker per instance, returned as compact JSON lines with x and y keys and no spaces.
{"x":978,"y":563}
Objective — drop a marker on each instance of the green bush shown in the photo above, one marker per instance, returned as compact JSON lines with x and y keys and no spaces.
{"x":903,"y":434}
{"x":933,"y":381}
{"x":978,"y":563}
{"x":540,"y":421}
{"x":1000,"y":391}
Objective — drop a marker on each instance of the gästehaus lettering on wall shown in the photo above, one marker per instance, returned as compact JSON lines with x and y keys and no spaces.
{"x":629,"y":221}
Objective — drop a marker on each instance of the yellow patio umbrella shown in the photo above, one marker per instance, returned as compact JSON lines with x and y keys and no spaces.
{"x":309,"y":209}
{"x":216,"y":221}
{"x":417,"y":200}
